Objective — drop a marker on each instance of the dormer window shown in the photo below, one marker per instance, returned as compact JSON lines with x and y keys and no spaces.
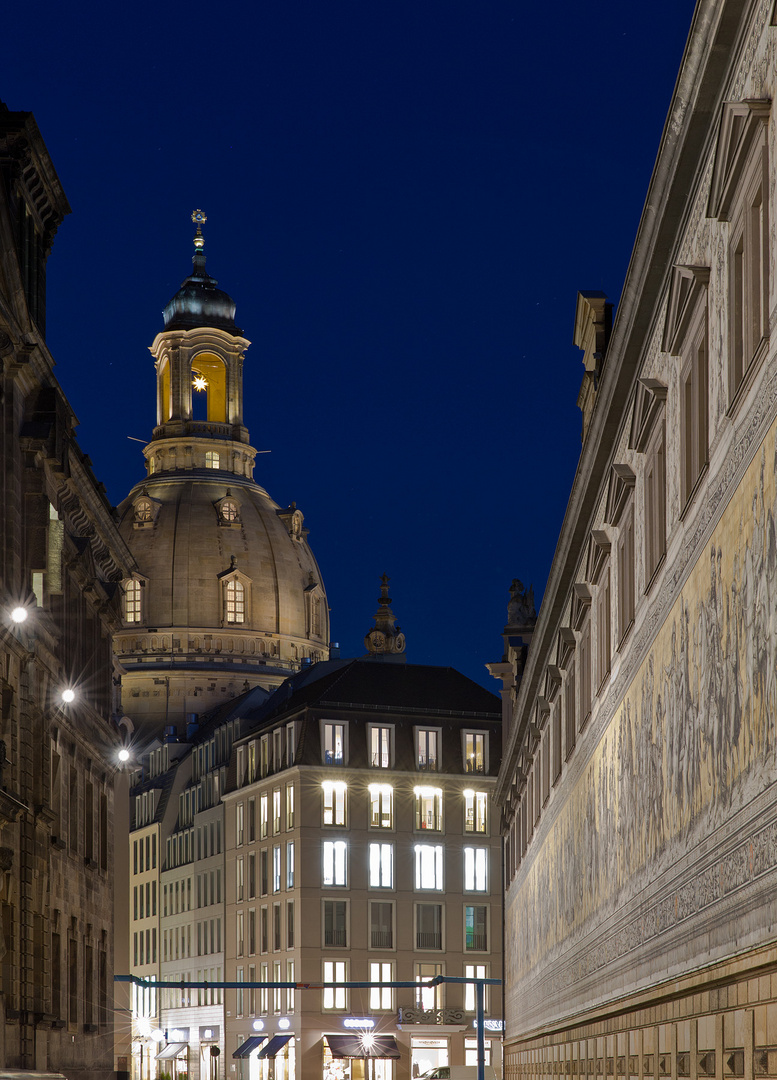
{"x":235,"y":601}
{"x":133,"y":607}
{"x":145,"y":511}
{"x":228,"y":510}
{"x":236,"y":596}
{"x":212,"y":459}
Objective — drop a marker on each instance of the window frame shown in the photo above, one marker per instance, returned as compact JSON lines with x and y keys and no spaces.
{"x":339,"y":864}
{"x":422,"y":853}
{"x":384,"y":752}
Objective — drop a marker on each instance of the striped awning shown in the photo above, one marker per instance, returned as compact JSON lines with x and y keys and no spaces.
{"x":248,"y":1047}
{"x":172,"y":1050}
{"x":274,"y":1046}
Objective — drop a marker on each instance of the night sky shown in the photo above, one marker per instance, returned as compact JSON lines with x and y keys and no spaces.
{"x":403,"y":199}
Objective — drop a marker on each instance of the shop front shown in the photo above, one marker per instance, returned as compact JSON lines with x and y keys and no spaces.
{"x":263,"y":1057}
{"x":359,"y":1056}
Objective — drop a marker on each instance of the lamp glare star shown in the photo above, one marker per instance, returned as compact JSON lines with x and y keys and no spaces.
{"x":19,"y":614}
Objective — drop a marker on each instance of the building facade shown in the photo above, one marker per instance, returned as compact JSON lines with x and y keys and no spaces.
{"x":360,"y":846}
{"x":61,"y":564}
{"x":637,"y":786}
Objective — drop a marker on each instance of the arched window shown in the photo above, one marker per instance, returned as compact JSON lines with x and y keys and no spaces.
{"x":235,"y":601}
{"x":132,"y":604}
{"x":211,"y":459}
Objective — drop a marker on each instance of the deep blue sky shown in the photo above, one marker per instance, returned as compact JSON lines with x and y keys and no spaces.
{"x":403,"y":198}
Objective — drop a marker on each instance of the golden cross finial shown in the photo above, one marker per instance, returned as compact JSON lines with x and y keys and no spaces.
{"x":199,"y":218}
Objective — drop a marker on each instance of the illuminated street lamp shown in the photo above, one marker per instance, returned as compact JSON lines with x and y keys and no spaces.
{"x":19,"y":614}
{"x":68,"y":695}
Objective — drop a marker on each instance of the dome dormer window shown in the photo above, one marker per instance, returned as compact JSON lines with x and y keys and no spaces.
{"x":235,"y":601}
{"x":228,"y":510}
{"x":236,"y":596}
{"x":133,"y":606}
{"x":145,"y":511}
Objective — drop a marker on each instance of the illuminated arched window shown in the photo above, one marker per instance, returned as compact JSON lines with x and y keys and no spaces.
{"x":211,"y":459}
{"x":132,"y":605}
{"x":235,"y":601}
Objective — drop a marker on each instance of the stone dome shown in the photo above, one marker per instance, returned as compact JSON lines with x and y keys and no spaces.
{"x":199,"y":303}
{"x":230,"y":591}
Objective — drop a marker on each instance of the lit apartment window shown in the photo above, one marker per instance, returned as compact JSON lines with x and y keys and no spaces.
{"x":382,"y":866}
{"x":264,"y":993}
{"x":277,"y":994}
{"x":335,"y":862}
{"x":240,"y":936}
{"x":334,"y":795}
{"x":428,"y":866}
{"x":276,"y":811}
{"x":239,"y":827}
{"x":132,"y":607}
{"x":277,"y":750}
{"x":428,"y":926}
{"x":474,"y":971}
{"x":290,"y":865}
{"x":334,"y":744}
{"x":476,"y":928}
{"x":475,"y":869}
{"x":276,"y":868}
{"x":428,"y":808}
{"x":475,"y":811}
{"x":289,"y":990}
{"x":428,"y":997}
{"x":264,"y":755}
{"x":381,"y":925}
{"x":239,"y":878}
{"x":264,"y":816}
{"x":289,"y":806}
{"x":335,"y":997}
{"x":474,"y":752}
{"x":211,"y":459}
{"x":235,"y":601}
{"x":380,"y":747}
{"x":381,"y":806}
{"x":426,"y":749}
{"x":381,"y":997}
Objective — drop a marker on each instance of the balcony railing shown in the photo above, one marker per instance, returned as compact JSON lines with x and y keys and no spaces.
{"x":334,"y":937}
{"x":477,"y":942}
{"x":333,"y":757}
{"x":419,"y":1015}
{"x":382,"y":939}
{"x":427,"y":764}
{"x":426,"y":940}
{"x":471,"y":766}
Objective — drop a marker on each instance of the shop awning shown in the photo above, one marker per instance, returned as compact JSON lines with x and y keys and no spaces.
{"x":249,"y":1046}
{"x":355,"y":1046}
{"x":274,"y":1046}
{"x":171,"y":1050}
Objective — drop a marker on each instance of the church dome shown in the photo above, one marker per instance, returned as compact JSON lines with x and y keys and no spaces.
{"x":227,"y":595}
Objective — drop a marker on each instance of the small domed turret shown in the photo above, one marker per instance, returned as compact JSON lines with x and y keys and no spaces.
{"x":198,"y":303}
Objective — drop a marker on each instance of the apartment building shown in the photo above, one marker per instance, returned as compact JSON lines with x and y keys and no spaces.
{"x":361,"y":846}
